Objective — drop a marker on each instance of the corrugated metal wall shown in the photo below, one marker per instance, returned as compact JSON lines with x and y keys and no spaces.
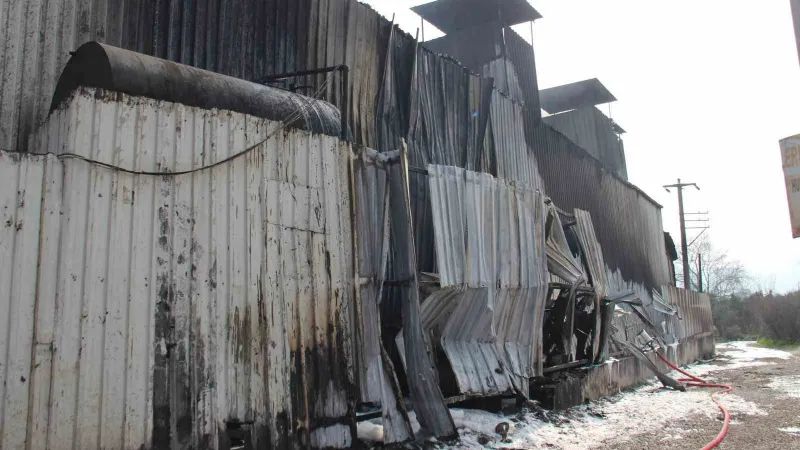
{"x":28,"y":180}
{"x":513,"y":158}
{"x":246,"y":39}
{"x":372,"y":227}
{"x":523,"y":60}
{"x":492,"y":263}
{"x":496,"y":52}
{"x":694,"y":312}
{"x":591,"y":130}
{"x":628,"y":223}
{"x":167,"y":310}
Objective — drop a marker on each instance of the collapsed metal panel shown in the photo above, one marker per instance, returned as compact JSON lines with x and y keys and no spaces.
{"x":491,"y":256}
{"x":172,"y":310}
{"x":425,"y":392}
{"x":627,"y":222}
{"x":560,"y":261}
{"x":626,"y":324}
{"x":594,"y":252}
{"x":371,"y":211}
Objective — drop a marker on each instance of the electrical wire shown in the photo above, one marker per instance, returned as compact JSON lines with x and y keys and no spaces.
{"x":297,"y":114}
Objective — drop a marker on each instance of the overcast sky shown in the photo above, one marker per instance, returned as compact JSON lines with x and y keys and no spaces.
{"x":706,"y":89}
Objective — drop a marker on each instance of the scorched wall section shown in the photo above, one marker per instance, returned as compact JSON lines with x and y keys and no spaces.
{"x":172,"y":311}
{"x":247,"y":39}
{"x":628,"y":222}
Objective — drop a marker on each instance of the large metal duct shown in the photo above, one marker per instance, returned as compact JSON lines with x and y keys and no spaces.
{"x":115,"y":69}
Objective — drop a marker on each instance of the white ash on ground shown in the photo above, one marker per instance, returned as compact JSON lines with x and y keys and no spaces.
{"x":617,"y":419}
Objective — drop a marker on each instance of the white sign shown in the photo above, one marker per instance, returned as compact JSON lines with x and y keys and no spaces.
{"x":790,"y":156}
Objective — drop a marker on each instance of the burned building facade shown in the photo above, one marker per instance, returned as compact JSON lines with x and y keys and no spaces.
{"x":245,"y":224}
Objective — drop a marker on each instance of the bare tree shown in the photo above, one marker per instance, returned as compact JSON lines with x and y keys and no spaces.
{"x":722,"y":276}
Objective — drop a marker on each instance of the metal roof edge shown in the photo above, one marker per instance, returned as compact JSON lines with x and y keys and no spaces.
{"x":599,"y":163}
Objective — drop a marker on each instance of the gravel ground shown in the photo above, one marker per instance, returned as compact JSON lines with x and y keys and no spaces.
{"x":774,"y":387}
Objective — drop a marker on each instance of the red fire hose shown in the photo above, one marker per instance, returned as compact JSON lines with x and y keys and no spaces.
{"x":699,"y":382}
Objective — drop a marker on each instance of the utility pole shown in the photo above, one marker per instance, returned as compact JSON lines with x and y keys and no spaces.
{"x":699,"y":272}
{"x":687,"y":280}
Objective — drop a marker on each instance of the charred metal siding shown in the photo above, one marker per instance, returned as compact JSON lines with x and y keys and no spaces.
{"x":521,"y":54}
{"x":246,"y":39}
{"x":371,"y":212}
{"x":170,"y":310}
{"x":500,"y":53}
{"x":490,"y":249}
{"x":445,"y":128}
{"x":591,"y":130}
{"x":458,"y":119}
{"x":694,"y":312}
{"x":511,"y":156}
{"x":371,"y":220}
{"x":628,"y":223}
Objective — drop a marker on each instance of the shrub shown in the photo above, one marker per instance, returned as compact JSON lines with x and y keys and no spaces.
{"x":780,"y":317}
{"x":773,"y":318}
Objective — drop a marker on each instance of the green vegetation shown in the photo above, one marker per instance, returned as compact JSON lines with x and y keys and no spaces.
{"x":777,"y":343}
{"x":773,"y":319}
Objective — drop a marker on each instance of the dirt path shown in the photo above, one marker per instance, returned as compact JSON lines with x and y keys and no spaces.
{"x":774,"y":387}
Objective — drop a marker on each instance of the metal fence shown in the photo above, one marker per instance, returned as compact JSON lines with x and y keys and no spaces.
{"x":694,"y":312}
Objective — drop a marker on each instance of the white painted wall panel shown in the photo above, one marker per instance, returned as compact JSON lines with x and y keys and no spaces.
{"x":19,"y":249}
{"x":169,"y":306}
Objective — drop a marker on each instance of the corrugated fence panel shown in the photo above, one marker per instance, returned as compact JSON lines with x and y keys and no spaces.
{"x":694,"y":311}
{"x":246,"y":39}
{"x":169,"y":308}
{"x":627,"y":222}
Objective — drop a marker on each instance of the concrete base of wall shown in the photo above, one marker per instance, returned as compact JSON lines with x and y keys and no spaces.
{"x":592,"y":383}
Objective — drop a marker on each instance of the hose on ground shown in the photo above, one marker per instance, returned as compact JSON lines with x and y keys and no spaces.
{"x":692,"y":380}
